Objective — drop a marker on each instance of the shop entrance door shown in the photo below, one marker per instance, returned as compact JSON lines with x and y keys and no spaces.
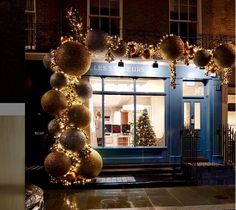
{"x":195,"y":119}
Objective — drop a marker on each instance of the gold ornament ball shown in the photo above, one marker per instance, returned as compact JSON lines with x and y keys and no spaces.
{"x":47,"y":61}
{"x":73,"y":139}
{"x":84,"y":90}
{"x":172,"y":48}
{"x":53,"y":102}
{"x":121,"y":49}
{"x":201,"y":58}
{"x":58,"y":80}
{"x":146,"y":54}
{"x":57,"y":164}
{"x":90,"y":167}
{"x":96,"y":41}
{"x":54,"y":127}
{"x":224,"y":55}
{"x":71,"y":177}
{"x":73,"y":58}
{"x":79,"y":115}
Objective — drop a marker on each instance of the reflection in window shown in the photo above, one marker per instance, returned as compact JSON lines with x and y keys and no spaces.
{"x":96,"y":83}
{"x":197,"y":116}
{"x":193,"y":88}
{"x":118,"y":84}
{"x":186,"y":115}
{"x":150,"y":85}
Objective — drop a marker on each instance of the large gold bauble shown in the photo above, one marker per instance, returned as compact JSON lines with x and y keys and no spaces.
{"x":47,"y":61}
{"x":54,"y":127}
{"x":84,"y":90}
{"x":73,"y":58}
{"x":146,"y":54}
{"x":90,"y":167}
{"x":79,"y":115}
{"x":121,"y":49}
{"x":73,"y":139}
{"x":224,"y":55}
{"x":96,"y":41}
{"x":58,"y":80}
{"x":53,"y":102}
{"x":71,"y":177}
{"x":172,"y":48}
{"x":201,"y":58}
{"x":57,"y":164}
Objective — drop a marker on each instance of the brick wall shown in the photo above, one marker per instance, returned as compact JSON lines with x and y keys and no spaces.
{"x":218,"y":17}
{"x":143,"y":21}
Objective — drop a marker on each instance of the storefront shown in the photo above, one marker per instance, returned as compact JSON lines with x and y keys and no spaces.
{"x":138,"y":118}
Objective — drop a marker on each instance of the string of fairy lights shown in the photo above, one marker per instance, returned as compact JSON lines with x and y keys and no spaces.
{"x":72,"y":160}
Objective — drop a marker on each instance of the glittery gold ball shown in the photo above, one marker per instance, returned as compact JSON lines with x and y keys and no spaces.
{"x":90,"y":167}
{"x":201,"y":58}
{"x":224,"y":55}
{"x":146,"y":54}
{"x":121,"y":49}
{"x":71,"y":177}
{"x":79,"y":115}
{"x":73,"y":58}
{"x":47,"y":61}
{"x":96,"y":41}
{"x":84,"y":90}
{"x":58,"y":80}
{"x":73,"y":139}
{"x":54,"y":127}
{"x":57,"y":164}
{"x":53,"y":102}
{"x":172,"y":48}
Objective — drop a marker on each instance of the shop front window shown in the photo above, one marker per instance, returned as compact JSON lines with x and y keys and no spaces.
{"x":128,"y":115}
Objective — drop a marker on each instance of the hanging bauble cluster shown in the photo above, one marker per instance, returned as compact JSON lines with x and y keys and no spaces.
{"x":72,"y":160}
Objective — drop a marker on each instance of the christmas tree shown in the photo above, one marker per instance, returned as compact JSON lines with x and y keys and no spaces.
{"x":145,"y":134}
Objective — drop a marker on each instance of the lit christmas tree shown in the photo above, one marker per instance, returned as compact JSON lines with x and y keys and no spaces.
{"x":145,"y":134}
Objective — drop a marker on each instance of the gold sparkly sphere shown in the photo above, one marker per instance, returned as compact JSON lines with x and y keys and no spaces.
{"x":146,"y":54}
{"x":53,"y":102}
{"x":57,"y":164}
{"x":79,"y":115}
{"x":90,"y":167}
{"x":71,"y":177}
{"x":172,"y":48}
{"x":58,"y":80}
{"x":96,"y":41}
{"x":121,"y":49}
{"x":73,"y":58}
{"x":47,"y":61}
{"x":84,"y":90}
{"x":201,"y":58}
{"x":54,"y":127}
{"x":224,"y":55}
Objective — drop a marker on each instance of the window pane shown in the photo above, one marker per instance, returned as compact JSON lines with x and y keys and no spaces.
{"x":150,"y":121}
{"x":192,"y":13}
{"x":104,"y":7}
{"x":197,"y":116}
{"x":105,"y":25}
{"x":118,"y":84}
{"x":115,"y":26}
{"x":183,"y":31}
{"x":150,"y":85}
{"x":174,"y":11}
{"x":192,"y":27}
{"x":95,"y":107}
{"x":30,"y":5}
{"x":192,"y":88}
{"x":114,"y":8}
{"x":94,"y":22}
{"x":119,"y":118}
{"x":94,"y":7}
{"x":183,"y":12}
{"x":174,"y":28}
{"x":186,"y":114}
{"x":96,"y":83}
{"x":193,"y":2}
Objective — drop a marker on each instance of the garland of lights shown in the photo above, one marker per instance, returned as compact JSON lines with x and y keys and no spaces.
{"x":72,"y":160}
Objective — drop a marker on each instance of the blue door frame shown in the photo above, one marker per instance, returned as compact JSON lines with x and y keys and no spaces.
{"x":171,"y":152}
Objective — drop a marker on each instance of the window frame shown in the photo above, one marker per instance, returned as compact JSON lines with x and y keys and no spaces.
{"x":31,"y":30}
{"x":133,"y":93}
{"x":120,"y":17}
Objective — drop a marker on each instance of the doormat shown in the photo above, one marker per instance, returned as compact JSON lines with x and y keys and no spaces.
{"x":116,"y":179}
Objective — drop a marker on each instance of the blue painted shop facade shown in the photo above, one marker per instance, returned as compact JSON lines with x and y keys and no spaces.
{"x":171,"y":152}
